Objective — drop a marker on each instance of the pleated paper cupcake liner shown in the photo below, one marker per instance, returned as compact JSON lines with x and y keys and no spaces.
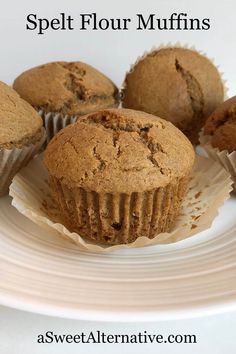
{"x":54,"y":122}
{"x":11,"y":161}
{"x":210,"y":186}
{"x":109,"y":219}
{"x":175,"y":45}
{"x":226,"y":159}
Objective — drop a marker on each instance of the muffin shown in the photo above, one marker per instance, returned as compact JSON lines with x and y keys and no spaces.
{"x":118,"y":174}
{"x":177,"y":84}
{"x":62,"y":91}
{"x":219,"y":136}
{"x":221,"y":126}
{"x":21,"y":134}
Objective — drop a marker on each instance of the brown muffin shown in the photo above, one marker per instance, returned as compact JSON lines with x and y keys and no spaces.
{"x":70,"y":88}
{"x":177,"y":84}
{"x":20,"y":124}
{"x":221,"y":125}
{"x":63,"y":91}
{"x":119,"y":174}
{"x":21,"y":134}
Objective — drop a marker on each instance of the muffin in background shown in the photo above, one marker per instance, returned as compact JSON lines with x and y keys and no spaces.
{"x":62,"y":91}
{"x":218,"y":137}
{"x":176,"y":84}
{"x":118,"y":174}
{"x":221,"y":126}
{"x":21,"y":134}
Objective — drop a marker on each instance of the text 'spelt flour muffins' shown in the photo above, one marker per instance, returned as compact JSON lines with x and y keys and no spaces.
{"x":66,"y":89}
{"x":21,"y":134}
{"x":177,"y":84}
{"x":119,"y":174}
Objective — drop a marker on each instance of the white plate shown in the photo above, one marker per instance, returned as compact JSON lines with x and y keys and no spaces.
{"x":41,"y":272}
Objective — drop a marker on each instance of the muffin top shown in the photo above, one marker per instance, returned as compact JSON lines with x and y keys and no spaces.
{"x":119,"y":150}
{"x":20,"y":124}
{"x":176,"y":84}
{"x":221,"y":125}
{"x":72,"y":88}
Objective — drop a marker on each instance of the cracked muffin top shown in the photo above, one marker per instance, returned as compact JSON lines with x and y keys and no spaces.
{"x":176,"y":84}
{"x":221,"y":125}
{"x":119,"y":150}
{"x":70,"y":88}
{"x":20,"y":124}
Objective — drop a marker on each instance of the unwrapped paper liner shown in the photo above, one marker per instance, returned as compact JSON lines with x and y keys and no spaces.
{"x":11,"y":160}
{"x":210,"y":186}
{"x":54,"y":122}
{"x":226,"y":159}
{"x":175,"y":45}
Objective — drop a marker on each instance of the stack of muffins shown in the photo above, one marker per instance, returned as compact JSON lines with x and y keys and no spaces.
{"x":118,"y":173}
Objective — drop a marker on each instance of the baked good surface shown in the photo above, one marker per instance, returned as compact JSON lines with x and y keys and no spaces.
{"x":71,"y":88}
{"x":20,"y":124}
{"x":119,"y":150}
{"x":177,"y":84}
{"x":221,"y":125}
{"x":119,"y":174}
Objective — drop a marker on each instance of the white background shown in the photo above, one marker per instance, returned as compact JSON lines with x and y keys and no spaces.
{"x":112,"y":52}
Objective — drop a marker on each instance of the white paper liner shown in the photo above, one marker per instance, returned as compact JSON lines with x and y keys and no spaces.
{"x":210,"y":186}
{"x":175,"y":45}
{"x":226,"y":159}
{"x":54,"y":122}
{"x":11,"y":160}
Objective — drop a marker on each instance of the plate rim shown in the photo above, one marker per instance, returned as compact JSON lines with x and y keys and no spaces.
{"x":40,"y":308}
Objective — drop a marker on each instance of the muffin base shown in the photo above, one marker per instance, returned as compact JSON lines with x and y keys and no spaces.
{"x":119,"y":218}
{"x":209,"y":188}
